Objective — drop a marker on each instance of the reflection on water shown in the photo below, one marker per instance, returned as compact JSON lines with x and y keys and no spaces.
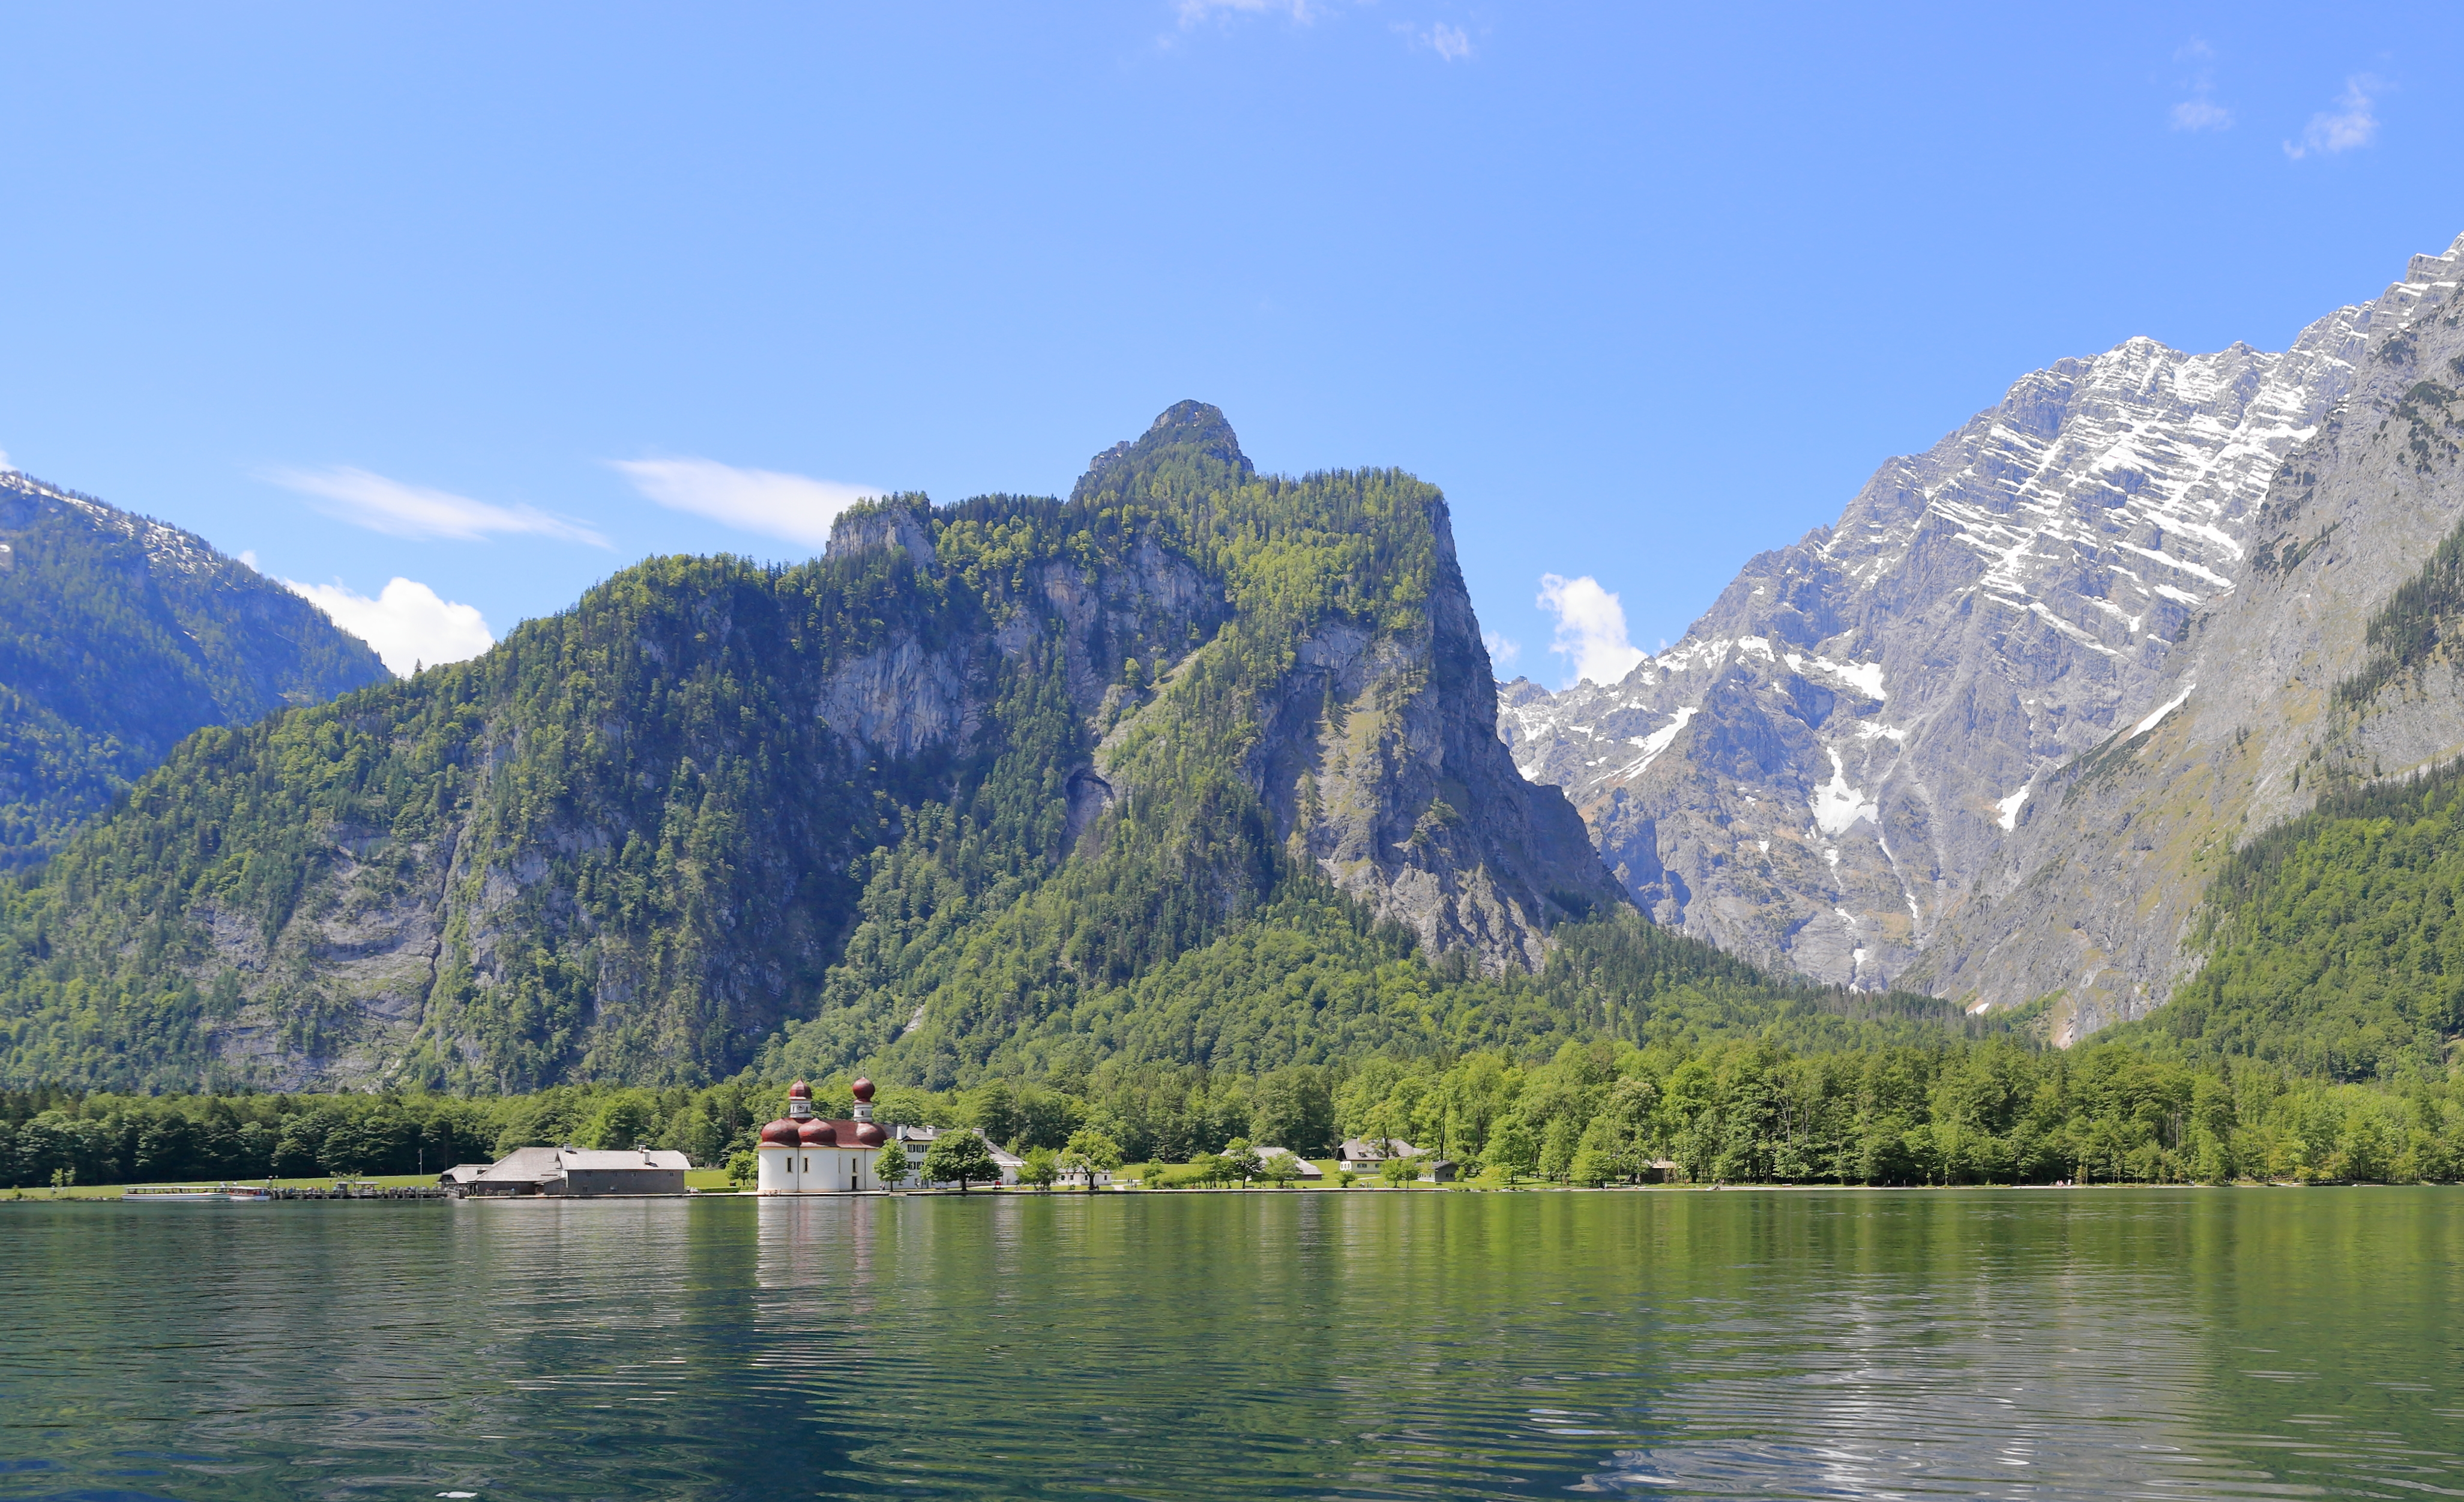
{"x":1974,"y":1344}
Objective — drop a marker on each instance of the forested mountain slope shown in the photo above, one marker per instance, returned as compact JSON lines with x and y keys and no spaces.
{"x":119,"y":635}
{"x":1015,"y":780}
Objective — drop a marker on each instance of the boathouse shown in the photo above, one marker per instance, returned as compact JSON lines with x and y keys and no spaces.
{"x":570,"y":1172}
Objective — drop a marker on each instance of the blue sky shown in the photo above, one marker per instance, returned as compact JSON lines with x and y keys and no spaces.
{"x":495,"y":300}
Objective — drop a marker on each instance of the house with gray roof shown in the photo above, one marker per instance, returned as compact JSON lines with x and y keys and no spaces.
{"x":570,"y":1172}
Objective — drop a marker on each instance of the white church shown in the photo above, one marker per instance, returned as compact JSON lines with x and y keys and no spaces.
{"x":802,"y":1153}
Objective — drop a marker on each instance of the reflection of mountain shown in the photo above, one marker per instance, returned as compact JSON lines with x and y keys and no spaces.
{"x":1972,"y":1344}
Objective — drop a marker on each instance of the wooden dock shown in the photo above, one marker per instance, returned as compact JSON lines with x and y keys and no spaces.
{"x":354,"y":1191}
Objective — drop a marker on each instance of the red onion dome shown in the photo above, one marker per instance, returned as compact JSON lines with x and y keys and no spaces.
{"x":800,"y":1091}
{"x":817,"y":1133}
{"x":780,"y":1133}
{"x":862,"y":1089}
{"x":871,"y":1135}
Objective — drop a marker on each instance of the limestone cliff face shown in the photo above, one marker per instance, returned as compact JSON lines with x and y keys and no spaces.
{"x":631,"y":842}
{"x":1382,"y":761}
{"x":1818,"y":772}
{"x":2090,"y":899}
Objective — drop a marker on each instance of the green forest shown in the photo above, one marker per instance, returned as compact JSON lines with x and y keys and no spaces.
{"x":2333,"y":944}
{"x":1738,"y":1111}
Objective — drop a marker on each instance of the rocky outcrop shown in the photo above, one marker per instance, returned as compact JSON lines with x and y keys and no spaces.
{"x":2089,"y":901}
{"x":1381,"y":763}
{"x":1991,"y":734}
{"x":638,"y":838}
{"x":1817,"y":774}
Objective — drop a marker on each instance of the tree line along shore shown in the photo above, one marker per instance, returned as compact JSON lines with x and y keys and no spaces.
{"x":1745,"y":1111}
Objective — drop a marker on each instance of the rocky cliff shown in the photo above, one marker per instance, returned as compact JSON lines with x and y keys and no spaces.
{"x":1992,"y":733}
{"x":2297,"y":680}
{"x":978,"y":764}
{"x":1818,"y":772}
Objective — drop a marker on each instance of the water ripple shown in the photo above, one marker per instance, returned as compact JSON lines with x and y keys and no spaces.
{"x":2024,"y":1346}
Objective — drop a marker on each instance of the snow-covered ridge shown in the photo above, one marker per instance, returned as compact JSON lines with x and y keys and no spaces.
{"x":1860,"y":718}
{"x":167,"y":546}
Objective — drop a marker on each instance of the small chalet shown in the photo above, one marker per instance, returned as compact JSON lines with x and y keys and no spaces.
{"x":1365,"y":1154}
{"x":918,"y":1141}
{"x":1303,"y":1169}
{"x":570,"y":1172}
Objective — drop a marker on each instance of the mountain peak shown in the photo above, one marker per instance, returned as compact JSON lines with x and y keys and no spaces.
{"x":1189,"y":440}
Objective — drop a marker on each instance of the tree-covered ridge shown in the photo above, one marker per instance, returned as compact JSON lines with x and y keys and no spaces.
{"x":972,"y":777}
{"x":2333,"y":942}
{"x":611,"y":800}
{"x":119,"y":637}
{"x":1313,"y":980}
{"x":1179,"y":923}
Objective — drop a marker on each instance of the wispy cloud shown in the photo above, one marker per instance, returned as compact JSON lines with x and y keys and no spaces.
{"x":421,"y":514}
{"x":4,"y":462}
{"x":1502,"y":650}
{"x":1449,"y":43}
{"x":791,"y":506}
{"x":1194,"y":12}
{"x":1590,"y":628}
{"x":2200,"y":111}
{"x":2353,"y":122}
{"x":409,"y":624}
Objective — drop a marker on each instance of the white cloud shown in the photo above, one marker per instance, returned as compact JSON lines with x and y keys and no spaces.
{"x":3,"y":461}
{"x":248,"y":556}
{"x":1194,"y":11}
{"x":1590,"y":628}
{"x":406,"y":622}
{"x":2200,"y":111}
{"x":789,"y":506}
{"x":1451,"y":43}
{"x":2353,"y":122}
{"x":418,"y":512}
{"x":1503,"y":649}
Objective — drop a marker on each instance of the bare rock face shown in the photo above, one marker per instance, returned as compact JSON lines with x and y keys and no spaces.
{"x":1816,"y":775}
{"x":2089,"y":899}
{"x":632,"y":841}
{"x":1381,"y":763}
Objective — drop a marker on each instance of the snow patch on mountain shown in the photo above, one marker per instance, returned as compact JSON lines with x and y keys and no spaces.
{"x":2156,"y":715}
{"x":2010,"y":597}
{"x":1837,"y":804}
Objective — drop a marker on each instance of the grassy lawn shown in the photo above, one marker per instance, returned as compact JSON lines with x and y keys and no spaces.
{"x":708,"y":1181}
{"x":113,"y":1192}
{"x":1172,"y":1175}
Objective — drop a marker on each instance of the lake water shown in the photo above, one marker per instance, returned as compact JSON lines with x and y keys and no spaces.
{"x":2024,"y":1343}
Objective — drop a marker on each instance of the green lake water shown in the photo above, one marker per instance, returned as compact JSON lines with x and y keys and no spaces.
{"x":2022,"y":1343}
